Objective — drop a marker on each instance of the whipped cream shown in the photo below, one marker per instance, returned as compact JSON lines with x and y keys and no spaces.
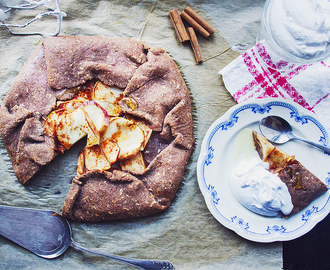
{"x":253,"y":185}
{"x":300,"y":27}
{"x":258,"y":189}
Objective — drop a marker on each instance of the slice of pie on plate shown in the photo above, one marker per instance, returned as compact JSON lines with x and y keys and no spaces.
{"x":304,"y":187}
{"x":130,"y":101}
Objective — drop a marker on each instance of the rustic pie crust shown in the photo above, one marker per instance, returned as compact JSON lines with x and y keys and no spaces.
{"x":154,"y":91}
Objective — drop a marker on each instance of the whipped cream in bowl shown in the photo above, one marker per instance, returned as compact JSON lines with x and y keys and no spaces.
{"x":298,"y":30}
{"x":254,"y":186}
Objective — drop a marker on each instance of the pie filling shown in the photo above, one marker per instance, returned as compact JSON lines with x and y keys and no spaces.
{"x":115,"y":140}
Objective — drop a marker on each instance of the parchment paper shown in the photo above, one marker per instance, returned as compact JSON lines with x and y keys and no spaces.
{"x":186,"y":234}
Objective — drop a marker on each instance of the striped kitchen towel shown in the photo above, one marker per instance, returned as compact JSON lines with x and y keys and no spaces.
{"x":259,"y":73}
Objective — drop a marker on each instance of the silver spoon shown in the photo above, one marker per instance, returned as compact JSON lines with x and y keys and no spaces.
{"x":278,"y":130}
{"x":48,"y":235}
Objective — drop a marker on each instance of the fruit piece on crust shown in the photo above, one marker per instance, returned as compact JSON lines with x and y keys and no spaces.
{"x":95,"y":159}
{"x":126,"y":134}
{"x":134,"y":163}
{"x":304,"y":187}
{"x":108,"y":98}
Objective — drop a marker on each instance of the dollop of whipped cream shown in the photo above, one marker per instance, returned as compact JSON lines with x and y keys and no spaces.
{"x":253,"y":185}
{"x":301,"y":27}
{"x":260,"y":190}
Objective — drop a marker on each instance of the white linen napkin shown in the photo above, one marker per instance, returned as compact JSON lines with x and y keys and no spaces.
{"x":259,"y":73}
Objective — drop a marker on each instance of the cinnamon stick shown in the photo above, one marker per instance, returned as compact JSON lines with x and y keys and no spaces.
{"x":195,"y":45}
{"x":178,"y":25}
{"x":194,"y":24}
{"x":195,"y":16}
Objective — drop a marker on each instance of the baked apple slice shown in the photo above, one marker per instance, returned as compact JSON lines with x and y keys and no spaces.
{"x":52,"y":121}
{"x":94,"y":112}
{"x":70,"y":105}
{"x":75,"y":119}
{"x":275,"y":156}
{"x":95,"y":159}
{"x":81,"y":163}
{"x":133,"y":164}
{"x":73,"y":126}
{"x":110,"y":150}
{"x":128,"y":135}
{"x":145,"y":128}
{"x":108,"y":98}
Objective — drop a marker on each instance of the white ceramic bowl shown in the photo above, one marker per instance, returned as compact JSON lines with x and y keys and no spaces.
{"x":273,"y":37}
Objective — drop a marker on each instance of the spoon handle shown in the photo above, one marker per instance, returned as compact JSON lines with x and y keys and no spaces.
{"x":324,"y":148}
{"x":144,"y":264}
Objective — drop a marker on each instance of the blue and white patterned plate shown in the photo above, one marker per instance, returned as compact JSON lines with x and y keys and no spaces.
{"x":216,"y":162}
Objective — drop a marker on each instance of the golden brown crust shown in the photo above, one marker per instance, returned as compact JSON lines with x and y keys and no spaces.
{"x":71,"y":61}
{"x":151,"y":80}
{"x":99,"y":196}
{"x":303,"y":185}
{"x":29,"y":98}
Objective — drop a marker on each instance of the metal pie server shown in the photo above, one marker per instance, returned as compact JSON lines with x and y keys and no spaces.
{"x":48,"y":235}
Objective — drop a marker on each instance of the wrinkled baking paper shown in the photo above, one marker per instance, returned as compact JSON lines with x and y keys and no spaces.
{"x":186,"y":234}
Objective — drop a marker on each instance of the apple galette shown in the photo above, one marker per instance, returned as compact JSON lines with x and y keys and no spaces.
{"x":131,"y":104}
